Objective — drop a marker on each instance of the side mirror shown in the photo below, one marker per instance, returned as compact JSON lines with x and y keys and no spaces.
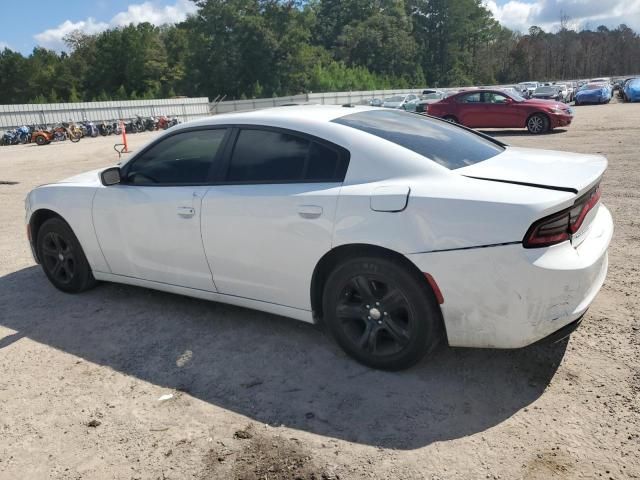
{"x":110,"y":176}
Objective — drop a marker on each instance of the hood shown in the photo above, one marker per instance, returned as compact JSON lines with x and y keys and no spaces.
{"x":545,"y":103}
{"x":88,"y":179}
{"x":573,"y":172}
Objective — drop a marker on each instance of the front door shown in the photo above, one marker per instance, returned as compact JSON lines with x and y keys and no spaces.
{"x":148,"y":226}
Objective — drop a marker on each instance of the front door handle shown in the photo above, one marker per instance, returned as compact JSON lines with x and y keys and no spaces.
{"x":309,"y":211}
{"x":186,"y":212}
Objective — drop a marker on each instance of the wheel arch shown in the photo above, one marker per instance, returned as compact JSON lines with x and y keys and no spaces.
{"x":36,"y":221}
{"x":537,"y":112}
{"x":335,"y":256}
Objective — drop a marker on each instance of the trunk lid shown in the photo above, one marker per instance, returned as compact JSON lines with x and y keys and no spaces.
{"x":572,"y":172}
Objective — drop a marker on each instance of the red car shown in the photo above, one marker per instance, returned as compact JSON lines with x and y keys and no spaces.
{"x":485,"y":108}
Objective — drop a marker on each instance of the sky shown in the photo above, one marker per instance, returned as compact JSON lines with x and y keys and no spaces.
{"x":46,"y":24}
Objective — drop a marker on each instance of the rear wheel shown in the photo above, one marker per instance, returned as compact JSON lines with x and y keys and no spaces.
{"x":62,"y":258}
{"x":538,"y":124}
{"x":40,"y":140}
{"x":380,"y":313}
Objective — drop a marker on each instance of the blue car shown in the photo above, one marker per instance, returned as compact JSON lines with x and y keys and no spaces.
{"x":632,"y":90}
{"x":593,"y":93}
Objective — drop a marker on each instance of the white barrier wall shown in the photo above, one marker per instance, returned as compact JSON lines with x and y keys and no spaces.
{"x":12,"y":116}
{"x":329,"y":98}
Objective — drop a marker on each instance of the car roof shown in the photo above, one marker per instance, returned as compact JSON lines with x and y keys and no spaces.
{"x":292,"y":113}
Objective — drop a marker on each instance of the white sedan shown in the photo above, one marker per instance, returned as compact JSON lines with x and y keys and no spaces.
{"x":397,"y":231}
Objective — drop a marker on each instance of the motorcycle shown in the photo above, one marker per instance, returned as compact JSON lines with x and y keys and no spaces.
{"x":149,"y":124}
{"x":42,"y":136}
{"x":89,"y":129}
{"x":105,"y":129}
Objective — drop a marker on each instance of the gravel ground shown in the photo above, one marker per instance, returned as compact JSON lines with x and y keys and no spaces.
{"x":124,"y":383}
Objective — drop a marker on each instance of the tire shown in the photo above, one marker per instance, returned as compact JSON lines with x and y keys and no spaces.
{"x":450,"y":118}
{"x":538,"y":124}
{"x":381,"y":313}
{"x":62,"y":258}
{"x":40,"y":140}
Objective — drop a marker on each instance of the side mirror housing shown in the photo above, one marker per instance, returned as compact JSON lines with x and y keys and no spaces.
{"x":110,"y":176}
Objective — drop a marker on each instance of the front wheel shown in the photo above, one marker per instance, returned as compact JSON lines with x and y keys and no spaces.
{"x":450,"y":119}
{"x":62,"y":258}
{"x":381,"y":313}
{"x":538,"y":124}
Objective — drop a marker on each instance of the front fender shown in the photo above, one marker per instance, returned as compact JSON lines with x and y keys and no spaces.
{"x":74,"y":204}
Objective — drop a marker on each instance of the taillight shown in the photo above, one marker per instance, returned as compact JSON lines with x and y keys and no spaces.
{"x":560,"y":226}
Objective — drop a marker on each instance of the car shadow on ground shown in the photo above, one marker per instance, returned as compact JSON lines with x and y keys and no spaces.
{"x":275,"y":370}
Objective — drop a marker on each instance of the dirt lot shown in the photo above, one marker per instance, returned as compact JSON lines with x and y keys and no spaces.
{"x":256,"y":396}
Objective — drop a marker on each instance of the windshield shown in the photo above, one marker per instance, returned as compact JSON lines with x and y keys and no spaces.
{"x":432,"y":96}
{"x":444,"y":143}
{"x":592,"y":86}
{"x":513,"y":93}
{"x":396,"y":98}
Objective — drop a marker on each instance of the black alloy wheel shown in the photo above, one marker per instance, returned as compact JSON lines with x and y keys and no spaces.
{"x":58,"y":258}
{"x":375,"y":315}
{"x":62,"y":257}
{"x":381,"y":313}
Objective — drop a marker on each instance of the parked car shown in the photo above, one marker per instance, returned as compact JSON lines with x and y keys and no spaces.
{"x":397,"y":231}
{"x":593,"y":93}
{"x":428,"y":97}
{"x":498,"y":109}
{"x":623,"y":84}
{"x":563,"y":89}
{"x":572,"y":87}
{"x":548,"y":92}
{"x":632,"y":90}
{"x":528,"y":88}
{"x":398,"y":101}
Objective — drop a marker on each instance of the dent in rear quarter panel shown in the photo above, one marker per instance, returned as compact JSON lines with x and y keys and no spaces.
{"x":509,"y":296}
{"x":74,"y":205}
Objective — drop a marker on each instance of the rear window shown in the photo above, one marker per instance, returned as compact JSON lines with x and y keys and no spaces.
{"x":450,"y":146}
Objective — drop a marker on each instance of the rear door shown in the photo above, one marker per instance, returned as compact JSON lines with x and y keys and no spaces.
{"x":270,"y":219}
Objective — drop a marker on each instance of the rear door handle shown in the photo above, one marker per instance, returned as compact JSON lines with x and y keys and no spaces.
{"x":309,"y":211}
{"x":186,"y":212}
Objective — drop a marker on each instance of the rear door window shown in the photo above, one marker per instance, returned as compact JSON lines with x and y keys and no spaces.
{"x":269,"y":156}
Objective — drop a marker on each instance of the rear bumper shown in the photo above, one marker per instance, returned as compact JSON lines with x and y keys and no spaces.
{"x":561,"y":334}
{"x":509,"y":297}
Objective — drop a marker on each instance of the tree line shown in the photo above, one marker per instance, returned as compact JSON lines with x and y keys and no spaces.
{"x":264,"y":48}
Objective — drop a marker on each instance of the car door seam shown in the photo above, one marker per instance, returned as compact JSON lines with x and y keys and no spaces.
{"x":204,"y":195}
{"x":93,"y":225}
